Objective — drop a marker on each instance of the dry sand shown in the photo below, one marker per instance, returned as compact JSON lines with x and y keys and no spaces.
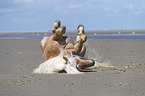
{"x":18,"y":58}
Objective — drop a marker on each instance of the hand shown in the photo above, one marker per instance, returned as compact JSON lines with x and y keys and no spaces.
{"x":83,"y":37}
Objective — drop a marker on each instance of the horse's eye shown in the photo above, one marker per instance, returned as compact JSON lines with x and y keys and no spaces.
{"x":65,"y":59}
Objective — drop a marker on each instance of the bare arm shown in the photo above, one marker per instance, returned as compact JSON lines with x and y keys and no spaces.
{"x":75,"y":49}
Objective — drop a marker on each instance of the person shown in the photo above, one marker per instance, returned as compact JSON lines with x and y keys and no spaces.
{"x":59,"y":41}
{"x":81,"y":34}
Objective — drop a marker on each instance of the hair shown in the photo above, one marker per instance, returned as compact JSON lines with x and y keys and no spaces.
{"x":58,"y":22}
{"x":79,"y":27}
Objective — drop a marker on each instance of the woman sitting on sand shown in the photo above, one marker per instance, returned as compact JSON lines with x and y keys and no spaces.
{"x":81,"y":34}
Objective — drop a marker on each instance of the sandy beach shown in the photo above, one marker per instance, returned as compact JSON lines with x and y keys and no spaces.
{"x":18,"y":59}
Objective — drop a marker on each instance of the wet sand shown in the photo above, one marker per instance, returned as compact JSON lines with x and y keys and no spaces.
{"x":18,"y":58}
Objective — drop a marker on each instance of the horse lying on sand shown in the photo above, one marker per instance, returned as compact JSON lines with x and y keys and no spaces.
{"x":65,"y":63}
{"x":59,"y":63}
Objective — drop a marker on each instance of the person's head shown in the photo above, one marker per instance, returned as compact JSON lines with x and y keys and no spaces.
{"x":80,"y":29}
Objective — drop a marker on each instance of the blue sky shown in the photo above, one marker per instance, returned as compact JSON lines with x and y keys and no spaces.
{"x":39,"y":15}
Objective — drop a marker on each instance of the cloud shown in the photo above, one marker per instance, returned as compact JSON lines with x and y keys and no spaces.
{"x":23,"y":1}
{"x":143,"y":6}
{"x":134,"y":9}
{"x":56,"y":8}
{"x":65,"y":11}
{"x":111,"y":12}
{"x":75,"y":6}
{"x":95,"y":2}
{"x":116,"y":11}
{"x":137,"y":12}
{"x":3,"y":10}
{"x":108,"y":9}
{"x":129,"y":6}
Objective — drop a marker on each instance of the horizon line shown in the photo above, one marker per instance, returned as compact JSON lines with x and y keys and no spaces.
{"x":91,"y":31}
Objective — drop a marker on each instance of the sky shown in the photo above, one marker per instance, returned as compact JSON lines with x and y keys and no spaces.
{"x":39,"y":15}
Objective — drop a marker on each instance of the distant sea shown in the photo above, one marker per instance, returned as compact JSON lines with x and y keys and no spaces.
{"x":90,"y":36}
